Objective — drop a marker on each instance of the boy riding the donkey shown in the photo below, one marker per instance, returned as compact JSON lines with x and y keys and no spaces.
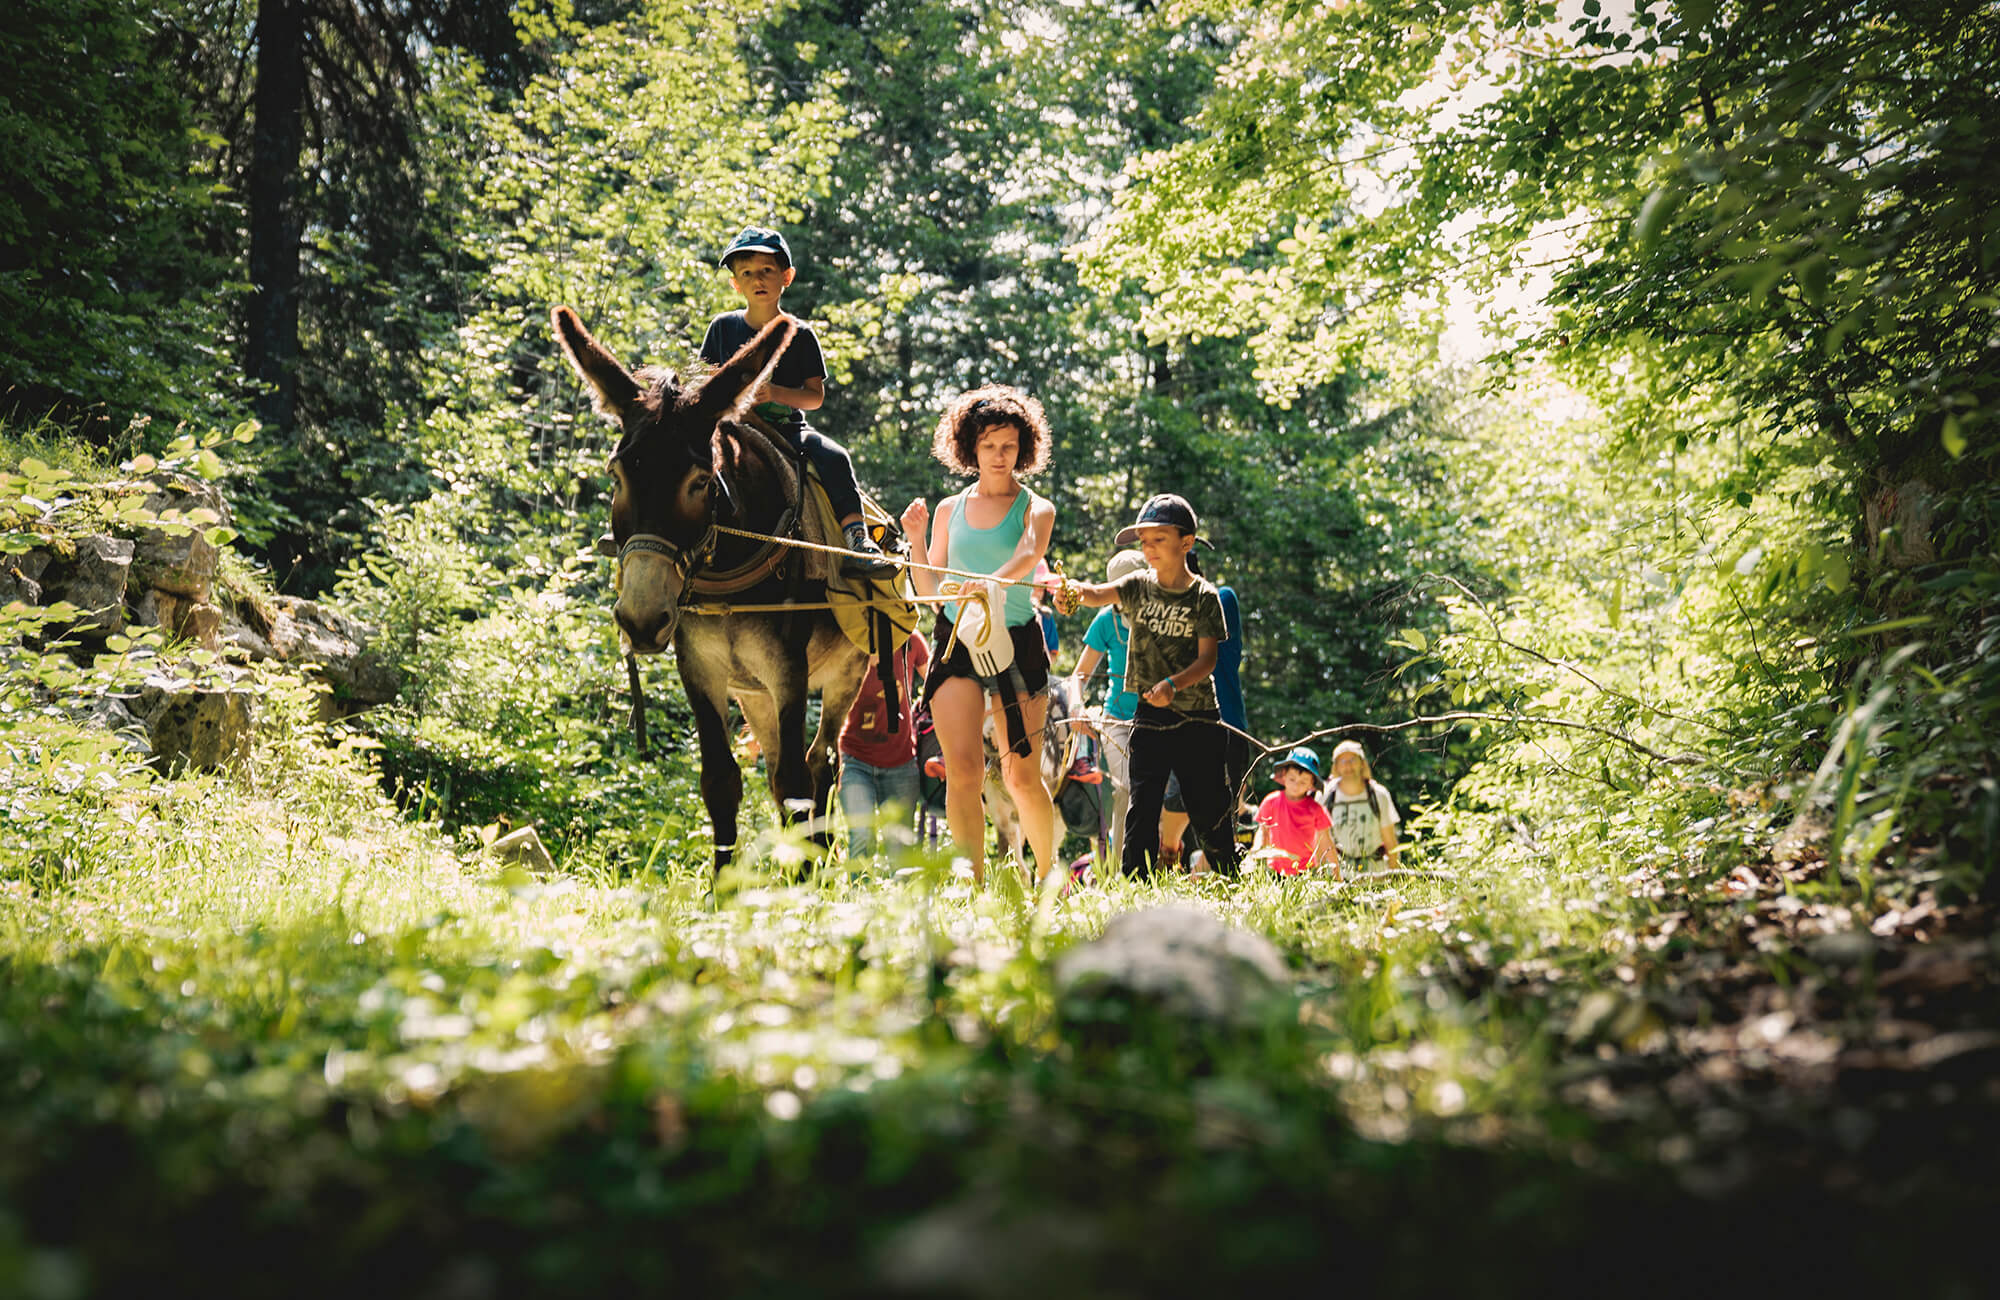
{"x":760,"y":267}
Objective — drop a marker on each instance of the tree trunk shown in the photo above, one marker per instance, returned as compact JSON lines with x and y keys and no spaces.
{"x":272,"y":335}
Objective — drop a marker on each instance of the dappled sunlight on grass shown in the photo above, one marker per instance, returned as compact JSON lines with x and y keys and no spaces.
{"x":298,"y":992}
{"x":325,"y":932}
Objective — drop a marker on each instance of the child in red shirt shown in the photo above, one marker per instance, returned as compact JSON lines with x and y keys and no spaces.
{"x":1292,"y":827}
{"x":879,"y":785}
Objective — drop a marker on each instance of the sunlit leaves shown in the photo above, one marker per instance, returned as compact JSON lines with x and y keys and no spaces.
{"x":1766,"y":179}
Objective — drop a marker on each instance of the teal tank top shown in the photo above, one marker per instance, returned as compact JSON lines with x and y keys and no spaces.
{"x":982,"y":550}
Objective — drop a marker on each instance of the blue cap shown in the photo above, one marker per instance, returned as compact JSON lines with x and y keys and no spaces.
{"x":756,"y":239}
{"x":1303,"y":759}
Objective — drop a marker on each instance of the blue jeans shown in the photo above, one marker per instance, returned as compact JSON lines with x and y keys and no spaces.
{"x":836,"y":471}
{"x":873,"y":796}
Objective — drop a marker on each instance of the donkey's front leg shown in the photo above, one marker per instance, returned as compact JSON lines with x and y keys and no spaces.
{"x":721,"y":779}
{"x":791,"y":775}
{"x":840,"y":682}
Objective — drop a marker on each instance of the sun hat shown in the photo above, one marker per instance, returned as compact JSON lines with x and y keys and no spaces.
{"x":1305,"y":760}
{"x":1353,"y":747}
{"x":756,"y":239}
{"x":1123,"y":563}
{"x":1165,"y":509}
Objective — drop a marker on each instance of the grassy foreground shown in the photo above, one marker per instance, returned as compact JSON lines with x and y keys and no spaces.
{"x":267,"y":1036}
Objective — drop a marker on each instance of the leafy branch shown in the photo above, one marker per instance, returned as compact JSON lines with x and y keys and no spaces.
{"x":1479,"y":715}
{"x":1564,"y":665}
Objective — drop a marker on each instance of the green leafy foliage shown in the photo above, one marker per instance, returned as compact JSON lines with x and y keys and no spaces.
{"x":1756,"y":229}
{"x":109,"y":295}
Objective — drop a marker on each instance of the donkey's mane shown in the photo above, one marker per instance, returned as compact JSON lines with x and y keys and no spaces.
{"x":663,"y":386}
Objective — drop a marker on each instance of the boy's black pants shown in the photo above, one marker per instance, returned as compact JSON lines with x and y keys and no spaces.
{"x":836,"y":470}
{"x":1192,"y":746}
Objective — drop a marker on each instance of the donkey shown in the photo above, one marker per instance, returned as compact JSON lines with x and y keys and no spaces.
{"x":681,"y":467}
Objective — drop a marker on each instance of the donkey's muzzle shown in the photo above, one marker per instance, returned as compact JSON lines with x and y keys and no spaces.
{"x":650,"y":583}
{"x":647,"y":633}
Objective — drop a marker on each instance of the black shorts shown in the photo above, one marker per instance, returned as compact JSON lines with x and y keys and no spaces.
{"x":1031,"y":658}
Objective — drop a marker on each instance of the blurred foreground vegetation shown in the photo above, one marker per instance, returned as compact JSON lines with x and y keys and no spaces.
{"x":1593,"y":411}
{"x":274,"y":1010}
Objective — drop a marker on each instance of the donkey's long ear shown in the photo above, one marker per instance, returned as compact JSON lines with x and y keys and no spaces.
{"x":617,"y":391}
{"x":722,"y":391}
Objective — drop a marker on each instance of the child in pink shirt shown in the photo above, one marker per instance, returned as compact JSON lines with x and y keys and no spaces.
{"x":1291,"y":823}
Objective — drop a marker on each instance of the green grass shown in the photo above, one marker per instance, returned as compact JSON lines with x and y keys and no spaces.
{"x":268,"y":1033}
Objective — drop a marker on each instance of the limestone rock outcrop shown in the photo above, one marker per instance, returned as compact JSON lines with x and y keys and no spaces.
{"x":166,"y":574}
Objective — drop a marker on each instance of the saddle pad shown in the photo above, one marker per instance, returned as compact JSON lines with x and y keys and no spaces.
{"x":857,"y":602}
{"x":871,"y":611}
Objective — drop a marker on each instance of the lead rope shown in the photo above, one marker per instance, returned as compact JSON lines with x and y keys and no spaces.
{"x":638,"y":701}
{"x":632,"y":661}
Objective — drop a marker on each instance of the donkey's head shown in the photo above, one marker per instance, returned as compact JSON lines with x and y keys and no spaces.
{"x":664,"y":467}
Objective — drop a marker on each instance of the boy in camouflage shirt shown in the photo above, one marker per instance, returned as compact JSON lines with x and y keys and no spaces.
{"x":1176,"y":619}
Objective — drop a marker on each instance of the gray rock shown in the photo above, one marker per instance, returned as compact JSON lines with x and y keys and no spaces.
{"x":93,"y":578}
{"x":111,"y":713}
{"x":240,"y":635}
{"x":183,"y":617}
{"x":1179,"y":960}
{"x":183,"y":565}
{"x":29,"y":564}
{"x":197,"y":725}
{"x":294,"y":631}
{"x":523,"y":846}
{"x":1842,"y":948}
{"x":983,"y":1248}
{"x":179,"y":492}
{"x":16,"y":584}
{"x":305,"y":632}
{"x":179,"y":561}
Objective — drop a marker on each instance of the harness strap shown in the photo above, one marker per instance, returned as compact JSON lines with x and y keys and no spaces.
{"x":882,"y":635}
{"x":752,"y":571}
{"x":797,"y":574}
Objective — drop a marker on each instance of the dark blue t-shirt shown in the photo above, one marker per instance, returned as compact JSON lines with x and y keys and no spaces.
{"x":728,"y":333}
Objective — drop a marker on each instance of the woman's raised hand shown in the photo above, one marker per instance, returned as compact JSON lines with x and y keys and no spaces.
{"x":916,"y":518}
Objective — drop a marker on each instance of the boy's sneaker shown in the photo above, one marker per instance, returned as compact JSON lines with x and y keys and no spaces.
{"x":870,"y":563}
{"x":934,"y":768}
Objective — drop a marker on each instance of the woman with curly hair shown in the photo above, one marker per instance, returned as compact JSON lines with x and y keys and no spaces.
{"x":995,"y":435}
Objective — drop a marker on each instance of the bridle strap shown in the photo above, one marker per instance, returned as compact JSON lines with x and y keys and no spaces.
{"x":686,"y":560}
{"x":638,"y":702}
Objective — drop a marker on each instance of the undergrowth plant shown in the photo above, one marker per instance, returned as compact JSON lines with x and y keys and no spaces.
{"x":72,"y":789}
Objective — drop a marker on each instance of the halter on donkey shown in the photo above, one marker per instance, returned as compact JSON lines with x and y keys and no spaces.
{"x":685,"y":487}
